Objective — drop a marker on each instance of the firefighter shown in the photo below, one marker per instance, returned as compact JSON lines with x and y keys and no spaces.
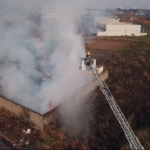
{"x":88,"y":55}
{"x":88,"y":60}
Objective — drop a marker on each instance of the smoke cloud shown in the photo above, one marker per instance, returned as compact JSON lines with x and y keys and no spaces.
{"x":30,"y":50}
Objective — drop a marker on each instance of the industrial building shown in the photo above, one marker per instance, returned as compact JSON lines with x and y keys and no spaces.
{"x":104,"y":26}
{"x":92,"y":21}
{"x":118,"y":29}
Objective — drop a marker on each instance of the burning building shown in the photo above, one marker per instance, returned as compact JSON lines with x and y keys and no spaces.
{"x":40,"y":78}
{"x":41,"y":120}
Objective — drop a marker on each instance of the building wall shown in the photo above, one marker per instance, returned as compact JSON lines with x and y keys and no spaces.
{"x":122,"y":30}
{"x":78,"y":97}
{"x":129,"y":28}
{"x":16,"y":109}
{"x":50,"y":117}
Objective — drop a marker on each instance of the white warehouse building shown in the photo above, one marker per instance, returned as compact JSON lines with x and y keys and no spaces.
{"x":113,"y":27}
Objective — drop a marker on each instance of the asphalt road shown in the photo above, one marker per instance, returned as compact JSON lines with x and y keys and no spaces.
{"x":5,"y":144}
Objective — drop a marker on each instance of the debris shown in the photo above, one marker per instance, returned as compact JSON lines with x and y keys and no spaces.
{"x":27,"y":143}
{"x":28,"y":131}
{"x":14,"y":145}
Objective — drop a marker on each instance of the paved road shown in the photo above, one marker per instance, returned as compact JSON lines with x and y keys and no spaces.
{"x":5,"y":144}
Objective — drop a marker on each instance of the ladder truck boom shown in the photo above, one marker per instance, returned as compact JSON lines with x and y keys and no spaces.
{"x":90,"y":65}
{"x":132,"y":139}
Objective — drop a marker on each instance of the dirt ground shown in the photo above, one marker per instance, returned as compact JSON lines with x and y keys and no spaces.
{"x":129,"y":82}
{"x":106,"y":45}
{"x":11,"y":129}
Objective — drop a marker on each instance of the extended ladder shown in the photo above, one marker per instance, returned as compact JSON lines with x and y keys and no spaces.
{"x":131,"y":137}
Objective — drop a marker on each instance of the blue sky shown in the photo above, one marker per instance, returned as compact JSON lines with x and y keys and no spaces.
{"x":85,"y":3}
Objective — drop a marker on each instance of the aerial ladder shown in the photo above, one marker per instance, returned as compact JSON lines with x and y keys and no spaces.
{"x":89,"y":64}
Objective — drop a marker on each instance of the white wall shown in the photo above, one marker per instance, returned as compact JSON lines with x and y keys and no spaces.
{"x":123,"y":27}
{"x":122,"y":30}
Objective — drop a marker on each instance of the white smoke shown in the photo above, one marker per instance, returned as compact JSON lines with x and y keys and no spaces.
{"x":20,"y":58}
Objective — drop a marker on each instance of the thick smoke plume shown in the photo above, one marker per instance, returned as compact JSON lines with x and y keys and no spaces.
{"x":29,"y":50}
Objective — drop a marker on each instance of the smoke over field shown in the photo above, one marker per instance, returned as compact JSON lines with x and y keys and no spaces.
{"x":21,"y":60}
